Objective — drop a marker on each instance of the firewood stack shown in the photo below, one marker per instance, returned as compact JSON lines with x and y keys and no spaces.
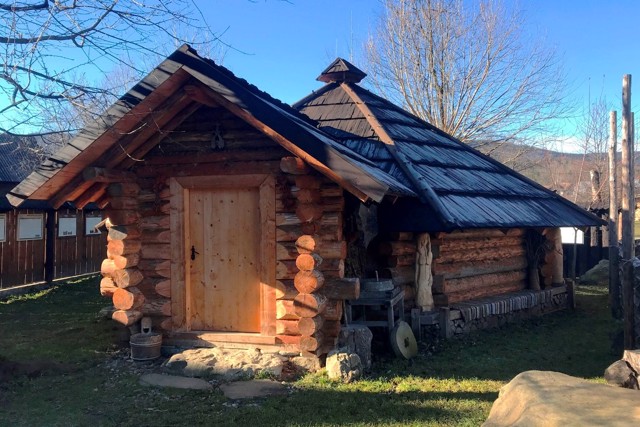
{"x":398,"y":254}
{"x":310,"y":260}
{"x":121,"y":275}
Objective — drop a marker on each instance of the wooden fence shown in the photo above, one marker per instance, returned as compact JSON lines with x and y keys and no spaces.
{"x":37,"y":246}
{"x":588,"y":254}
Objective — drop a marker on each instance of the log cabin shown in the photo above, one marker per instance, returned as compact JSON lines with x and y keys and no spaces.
{"x":235,"y":219}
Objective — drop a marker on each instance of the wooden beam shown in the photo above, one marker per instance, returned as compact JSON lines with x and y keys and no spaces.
{"x":126,"y":152}
{"x":104,"y":175}
{"x":214,"y":97}
{"x":270,"y":153}
{"x":94,"y":192}
{"x":69,"y":192}
{"x":199,"y":94}
{"x":102,"y":201}
{"x":156,"y":138}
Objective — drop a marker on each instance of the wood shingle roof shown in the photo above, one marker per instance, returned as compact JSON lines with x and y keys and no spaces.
{"x":366,"y":144}
{"x":457,"y":186}
{"x":159,"y":102}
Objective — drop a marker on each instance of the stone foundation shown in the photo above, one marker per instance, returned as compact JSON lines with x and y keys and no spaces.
{"x":492,"y":312}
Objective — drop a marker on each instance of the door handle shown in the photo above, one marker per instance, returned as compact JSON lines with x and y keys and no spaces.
{"x":194,"y":253}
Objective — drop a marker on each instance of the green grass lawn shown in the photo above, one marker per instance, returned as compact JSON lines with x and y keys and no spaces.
{"x":67,"y":375}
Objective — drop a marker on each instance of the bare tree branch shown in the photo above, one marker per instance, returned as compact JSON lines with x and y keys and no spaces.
{"x":14,"y":8}
{"x":467,"y":68}
{"x":54,"y":55}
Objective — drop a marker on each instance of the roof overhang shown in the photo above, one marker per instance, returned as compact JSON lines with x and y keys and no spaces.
{"x":161,"y":101}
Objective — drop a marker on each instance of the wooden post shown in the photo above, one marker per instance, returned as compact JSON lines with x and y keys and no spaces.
{"x":50,"y":246}
{"x":627,"y":215}
{"x":445,"y":325}
{"x":596,"y":194}
{"x":614,"y":250}
{"x":596,"y":199}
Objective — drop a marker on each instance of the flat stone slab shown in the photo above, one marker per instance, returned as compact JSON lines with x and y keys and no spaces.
{"x":542,"y":398}
{"x":252,"y":389}
{"x":174,"y":381}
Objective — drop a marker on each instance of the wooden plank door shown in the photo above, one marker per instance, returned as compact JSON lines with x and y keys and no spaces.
{"x":223,"y":262}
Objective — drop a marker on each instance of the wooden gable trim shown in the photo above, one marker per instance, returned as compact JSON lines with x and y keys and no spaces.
{"x":79,"y":192}
{"x":205,"y":95}
{"x":74,"y":188}
{"x":424,"y":190}
{"x":161,"y":134}
{"x":125,"y":152}
{"x":126,"y":124}
{"x":125,"y":147}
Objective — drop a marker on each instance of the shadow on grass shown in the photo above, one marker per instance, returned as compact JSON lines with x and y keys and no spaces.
{"x":576,"y":343}
{"x":338,"y":407}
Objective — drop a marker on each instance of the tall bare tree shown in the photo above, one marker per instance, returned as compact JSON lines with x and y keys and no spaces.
{"x":467,"y":68}
{"x":593,"y":135}
{"x":54,"y":55}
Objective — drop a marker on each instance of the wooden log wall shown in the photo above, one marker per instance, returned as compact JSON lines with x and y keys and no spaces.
{"x":137,"y":283}
{"x":397,"y":260}
{"x":310,"y":254}
{"x":120,"y":275}
{"x":310,"y":248}
{"x":188,"y":151}
{"x":478,"y":263}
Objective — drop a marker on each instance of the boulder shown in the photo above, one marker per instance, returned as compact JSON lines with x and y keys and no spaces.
{"x":357,"y":339}
{"x":343,"y":366}
{"x":306,"y":364}
{"x":542,"y":398}
{"x":230,"y":364}
{"x":632,"y":357}
{"x":620,"y":374}
{"x":598,"y":275}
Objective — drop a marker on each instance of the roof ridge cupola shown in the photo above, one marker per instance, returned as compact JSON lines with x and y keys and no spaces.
{"x":342,"y":71}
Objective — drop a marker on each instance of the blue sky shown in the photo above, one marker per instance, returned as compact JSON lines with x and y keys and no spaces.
{"x":282,"y":46}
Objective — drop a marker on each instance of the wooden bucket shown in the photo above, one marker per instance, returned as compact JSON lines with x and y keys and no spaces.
{"x":145,"y":346}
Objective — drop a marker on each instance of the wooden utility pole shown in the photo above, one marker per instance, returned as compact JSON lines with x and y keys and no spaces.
{"x":614,"y":250}
{"x":628,"y":250}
